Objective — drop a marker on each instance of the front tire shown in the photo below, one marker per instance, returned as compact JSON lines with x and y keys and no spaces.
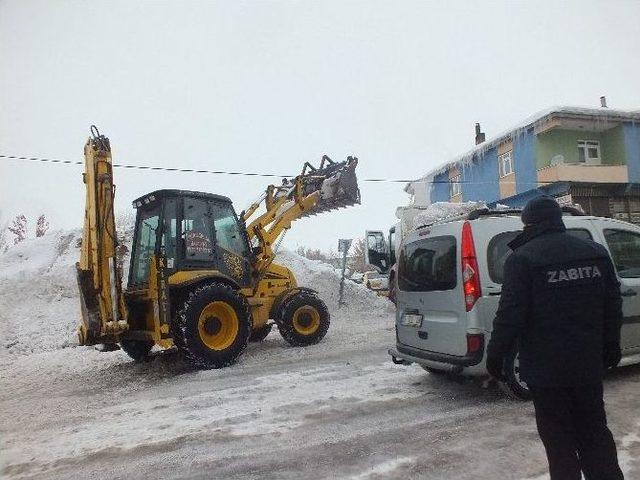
{"x":213,"y":325}
{"x":516,"y":386}
{"x":303,"y":319}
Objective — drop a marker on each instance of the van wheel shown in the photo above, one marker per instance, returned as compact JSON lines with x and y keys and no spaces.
{"x":517,"y":388}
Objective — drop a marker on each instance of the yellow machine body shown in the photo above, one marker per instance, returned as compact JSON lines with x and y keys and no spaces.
{"x":145,"y":313}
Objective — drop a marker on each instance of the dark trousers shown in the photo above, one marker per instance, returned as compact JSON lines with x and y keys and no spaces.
{"x":573,"y":428}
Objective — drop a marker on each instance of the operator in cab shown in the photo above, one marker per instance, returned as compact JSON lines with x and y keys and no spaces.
{"x":561,"y":307}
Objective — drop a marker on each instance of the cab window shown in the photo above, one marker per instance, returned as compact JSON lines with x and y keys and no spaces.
{"x":229,"y":234}
{"x":144,"y":244}
{"x":197,"y":230}
{"x":169,"y":232}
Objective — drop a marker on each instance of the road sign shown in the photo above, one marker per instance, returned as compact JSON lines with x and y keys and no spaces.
{"x":344,"y":244}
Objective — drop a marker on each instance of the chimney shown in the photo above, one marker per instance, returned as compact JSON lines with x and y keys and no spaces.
{"x":603,"y":101}
{"x":479,"y":135}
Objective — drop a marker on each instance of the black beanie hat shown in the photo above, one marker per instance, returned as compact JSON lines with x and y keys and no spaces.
{"x":542,"y":209}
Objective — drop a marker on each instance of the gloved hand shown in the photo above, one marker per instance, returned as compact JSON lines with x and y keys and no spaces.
{"x":612,"y":355}
{"x":495,"y":367}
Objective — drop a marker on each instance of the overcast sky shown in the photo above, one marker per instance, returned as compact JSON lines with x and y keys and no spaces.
{"x":263,"y":86}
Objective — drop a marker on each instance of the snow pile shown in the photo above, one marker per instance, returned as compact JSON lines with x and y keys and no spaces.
{"x":39,"y":305}
{"x":442,"y":210}
{"x":324,"y":279}
{"x":40,"y":308}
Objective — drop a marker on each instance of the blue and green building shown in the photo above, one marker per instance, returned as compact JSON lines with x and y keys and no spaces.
{"x":586,"y":156}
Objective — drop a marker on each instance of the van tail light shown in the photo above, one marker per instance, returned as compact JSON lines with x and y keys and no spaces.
{"x":470,"y":272}
{"x":475,"y":343}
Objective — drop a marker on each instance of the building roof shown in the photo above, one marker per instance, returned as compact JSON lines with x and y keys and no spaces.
{"x":602,"y":114}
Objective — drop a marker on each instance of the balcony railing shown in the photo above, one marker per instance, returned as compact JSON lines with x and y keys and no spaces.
{"x":584,"y":173}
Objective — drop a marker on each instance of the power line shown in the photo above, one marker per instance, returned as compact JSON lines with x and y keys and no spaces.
{"x":189,"y":170}
{"x":146,"y":167}
{"x":243,"y":174}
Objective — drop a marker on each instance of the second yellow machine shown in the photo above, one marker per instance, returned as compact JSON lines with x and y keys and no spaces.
{"x":200,"y":277}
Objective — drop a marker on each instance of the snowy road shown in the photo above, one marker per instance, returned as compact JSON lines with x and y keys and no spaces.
{"x":329,"y":411}
{"x":337,"y":410}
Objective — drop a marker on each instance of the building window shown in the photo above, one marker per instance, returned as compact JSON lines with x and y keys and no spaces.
{"x":505,"y":164}
{"x":589,"y":152}
{"x":455,"y":188}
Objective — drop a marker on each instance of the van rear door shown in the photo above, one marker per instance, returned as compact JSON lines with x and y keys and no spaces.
{"x":623,"y":242}
{"x":431,"y":314}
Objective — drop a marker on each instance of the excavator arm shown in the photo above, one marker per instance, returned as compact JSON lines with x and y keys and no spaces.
{"x":104,"y":315}
{"x":331,"y":186}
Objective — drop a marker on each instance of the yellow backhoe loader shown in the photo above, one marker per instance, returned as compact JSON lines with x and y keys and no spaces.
{"x":201,"y":278}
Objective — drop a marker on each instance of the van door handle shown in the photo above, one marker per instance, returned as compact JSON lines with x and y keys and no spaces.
{"x":629,"y":293}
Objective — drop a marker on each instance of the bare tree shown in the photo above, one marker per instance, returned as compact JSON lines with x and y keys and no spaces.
{"x":125,"y":223}
{"x":312,"y":254}
{"x":42,"y":225}
{"x":357,"y":262}
{"x":19,"y":228}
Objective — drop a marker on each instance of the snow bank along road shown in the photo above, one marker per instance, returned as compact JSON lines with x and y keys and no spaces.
{"x":339,"y":409}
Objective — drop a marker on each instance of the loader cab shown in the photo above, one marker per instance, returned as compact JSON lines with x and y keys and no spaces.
{"x":194,"y":231}
{"x":380,"y":251}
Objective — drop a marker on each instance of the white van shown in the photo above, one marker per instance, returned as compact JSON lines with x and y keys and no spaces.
{"x":449,"y":282}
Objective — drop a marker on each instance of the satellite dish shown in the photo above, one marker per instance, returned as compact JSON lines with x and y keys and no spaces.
{"x":557,"y":159}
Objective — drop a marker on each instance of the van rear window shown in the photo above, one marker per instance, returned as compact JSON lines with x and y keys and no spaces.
{"x":428,"y":264}
{"x":499,"y":250}
{"x":497,"y":254}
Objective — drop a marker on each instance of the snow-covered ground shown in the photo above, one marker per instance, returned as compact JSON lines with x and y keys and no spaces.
{"x":338,"y":410}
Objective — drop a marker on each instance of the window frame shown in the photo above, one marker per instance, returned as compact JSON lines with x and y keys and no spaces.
{"x":504,"y":159}
{"x":453,"y":285}
{"x":455,"y":186}
{"x":134,"y":257}
{"x":185,"y":260}
{"x":493,"y":273}
{"x":237,"y":222}
{"x":584,"y":146}
{"x":613,"y":259}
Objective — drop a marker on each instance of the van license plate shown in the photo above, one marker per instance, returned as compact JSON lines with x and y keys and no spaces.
{"x":412,"y":320}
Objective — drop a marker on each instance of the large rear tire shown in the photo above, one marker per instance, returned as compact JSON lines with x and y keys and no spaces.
{"x":137,"y":349}
{"x":212,"y":326}
{"x":303,"y":319}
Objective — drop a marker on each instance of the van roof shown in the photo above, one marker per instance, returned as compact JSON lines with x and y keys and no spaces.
{"x":489,"y":212}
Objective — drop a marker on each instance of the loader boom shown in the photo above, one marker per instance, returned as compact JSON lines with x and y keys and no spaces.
{"x":331,"y":186}
{"x":104,"y":315}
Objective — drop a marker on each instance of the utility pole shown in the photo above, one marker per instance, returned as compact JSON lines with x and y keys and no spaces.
{"x":344,"y":244}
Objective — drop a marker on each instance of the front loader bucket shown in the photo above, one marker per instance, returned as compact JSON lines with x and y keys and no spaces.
{"x":336,"y":182}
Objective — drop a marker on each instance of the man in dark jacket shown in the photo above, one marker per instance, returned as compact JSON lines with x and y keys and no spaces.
{"x":561,"y":307}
